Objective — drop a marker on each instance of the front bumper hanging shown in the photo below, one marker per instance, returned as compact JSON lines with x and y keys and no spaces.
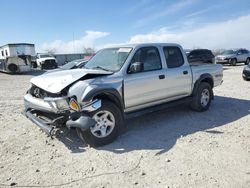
{"x":36,"y":109}
{"x":50,"y":126}
{"x":47,"y":127}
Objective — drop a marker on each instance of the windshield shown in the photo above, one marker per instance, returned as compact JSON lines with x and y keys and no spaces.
{"x":111,"y":59}
{"x":228,"y":52}
{"x":43,"y":56}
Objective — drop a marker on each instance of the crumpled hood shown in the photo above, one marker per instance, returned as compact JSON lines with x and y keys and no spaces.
{"x":54,"y":82}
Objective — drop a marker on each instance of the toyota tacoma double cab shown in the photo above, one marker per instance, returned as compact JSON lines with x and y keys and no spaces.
{"x":118,"y":83}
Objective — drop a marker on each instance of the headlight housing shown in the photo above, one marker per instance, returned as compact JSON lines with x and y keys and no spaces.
{"x":60,"y":103}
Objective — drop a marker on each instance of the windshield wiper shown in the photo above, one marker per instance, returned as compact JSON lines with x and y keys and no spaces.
{"x":102,"y":68}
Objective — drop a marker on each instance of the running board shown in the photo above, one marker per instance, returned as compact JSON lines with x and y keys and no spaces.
{"x":157,"y":108}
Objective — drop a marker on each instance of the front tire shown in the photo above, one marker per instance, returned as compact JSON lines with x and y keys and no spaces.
{"x":246,"y":79}
{"x":34,"y":65}
{"x":202,"y":98}
{"x":247,"y":61}
{"x":233,"y":62}
{"x":109,"y":125}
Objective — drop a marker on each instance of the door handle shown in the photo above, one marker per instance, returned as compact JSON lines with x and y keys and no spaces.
{"x":161,"y":76}
{"x":185,"y":72}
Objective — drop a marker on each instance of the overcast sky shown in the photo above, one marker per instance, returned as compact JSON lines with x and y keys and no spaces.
{"x":72,"y":25}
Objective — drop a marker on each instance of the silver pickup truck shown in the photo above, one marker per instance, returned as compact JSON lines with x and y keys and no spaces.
{"x":118,"y":83}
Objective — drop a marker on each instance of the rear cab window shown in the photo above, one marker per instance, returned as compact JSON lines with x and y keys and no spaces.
{"x":173,"y":56}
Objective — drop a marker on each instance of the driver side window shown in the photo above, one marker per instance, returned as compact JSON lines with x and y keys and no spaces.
{"x":149,"y":57}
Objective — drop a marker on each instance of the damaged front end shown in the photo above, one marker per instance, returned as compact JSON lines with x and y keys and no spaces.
{"x":52,"y":111}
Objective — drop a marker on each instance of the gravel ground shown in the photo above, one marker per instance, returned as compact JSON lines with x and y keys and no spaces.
{"x":172,"y":148}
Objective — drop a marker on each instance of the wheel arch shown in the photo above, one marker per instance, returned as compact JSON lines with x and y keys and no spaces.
{"x":110,"y":94}
{"x":203,"y":78}
{"x":13,"y":71}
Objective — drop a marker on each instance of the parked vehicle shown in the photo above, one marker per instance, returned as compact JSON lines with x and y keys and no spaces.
{"x":118,"y":83}
{"x":78,"y":63}
{"x":199,"y":56}
{"x":16,"y":58}
{"x":62,"y":59}
{"x":233,"y":57}
{"x":246,"y":72}
{"x":46,"y":61}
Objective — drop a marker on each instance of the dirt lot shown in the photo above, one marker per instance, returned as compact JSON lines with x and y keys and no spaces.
{"x":172,"y":148}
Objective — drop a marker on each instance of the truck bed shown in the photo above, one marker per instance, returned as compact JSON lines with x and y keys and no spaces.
{"x":215,"y":70}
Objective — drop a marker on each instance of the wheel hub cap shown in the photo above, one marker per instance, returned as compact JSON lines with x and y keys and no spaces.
{"x":105,"y":123}
{"x":205,"y":96}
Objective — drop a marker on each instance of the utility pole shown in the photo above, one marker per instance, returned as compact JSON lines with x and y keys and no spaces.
{"x":74,"y":41}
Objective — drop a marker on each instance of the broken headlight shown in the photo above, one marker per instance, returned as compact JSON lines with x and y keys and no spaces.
{"x":59,"y":103}
{"x":62,"y":104}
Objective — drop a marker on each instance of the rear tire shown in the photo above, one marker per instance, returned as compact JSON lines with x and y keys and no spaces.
{"x":109,"y":125}
{"x":13,"y":68}
{"x":202,"y":98}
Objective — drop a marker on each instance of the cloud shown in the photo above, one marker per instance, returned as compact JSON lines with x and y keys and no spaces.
{"x":169,"y":10}
{"x":198,"y":13}
{"x":233,"y":33}
{"x":75,"y":46}
{"x":139,"y":5}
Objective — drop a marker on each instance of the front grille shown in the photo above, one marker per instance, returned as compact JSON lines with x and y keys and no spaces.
{"x":40,"y":93}
{"x":49,"y":64}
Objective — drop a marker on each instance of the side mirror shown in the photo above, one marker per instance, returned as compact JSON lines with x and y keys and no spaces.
{"x":136,"y":67}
